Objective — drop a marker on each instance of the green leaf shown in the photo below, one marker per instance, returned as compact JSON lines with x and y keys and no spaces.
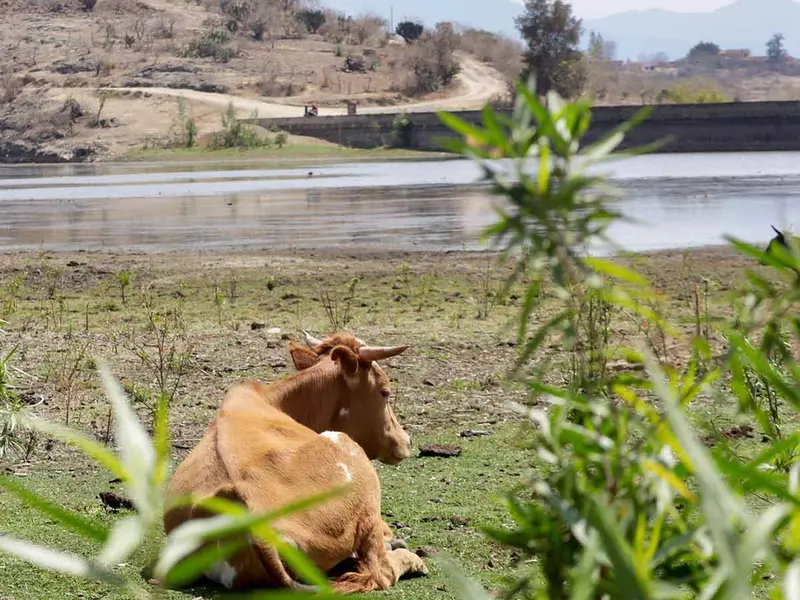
{"x":616,"y":271}
{"x":84,"y":443}
{"x":65,"y":517}
{"x":459,"y":125}
{"x":465,"y":587}
{"x":136,"y":450}
{"x":52,"y":560}
{"x":234,"y":519}
{"x":190,"y":568}
{"x":630,"y":582}
{"x":123,"y":541}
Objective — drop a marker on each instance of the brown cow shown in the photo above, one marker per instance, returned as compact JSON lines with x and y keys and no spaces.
{"x":273,"y":444}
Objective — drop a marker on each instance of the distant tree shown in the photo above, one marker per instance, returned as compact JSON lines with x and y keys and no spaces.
{"x":703,"y":50}
{"x":776,"y":51}
{"x":409,"y":30}
{"x":312,"y":19}
{"x":610,"y":49}
{"x":596,"y":45}
{"x":600,"y":48}
{"x":552,"y":35}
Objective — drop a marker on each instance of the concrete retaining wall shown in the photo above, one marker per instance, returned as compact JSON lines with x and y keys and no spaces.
{"x":735,"y":126}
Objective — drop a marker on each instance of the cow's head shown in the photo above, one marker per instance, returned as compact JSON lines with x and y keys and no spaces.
{"x":363,"y":410}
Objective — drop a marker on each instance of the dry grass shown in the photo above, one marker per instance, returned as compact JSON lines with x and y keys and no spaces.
{"x":609,"y":84}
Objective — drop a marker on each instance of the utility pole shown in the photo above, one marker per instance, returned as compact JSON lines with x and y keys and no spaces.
{"x":391,"y":18}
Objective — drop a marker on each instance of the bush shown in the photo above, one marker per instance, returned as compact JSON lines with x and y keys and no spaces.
{"x":626,"y":500}
{"x":237,"y":134}
{"x":88,"y":5}
{"x":688,"y":94}
{"x":212,"y":44}
{"x":311,"y":19}
{"x":10,"y":88}
{"x":432,"y":61}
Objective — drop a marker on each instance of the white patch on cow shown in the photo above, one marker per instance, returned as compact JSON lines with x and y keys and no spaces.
{"x":223,"y":573}
{"x":347,"y":474}
{"x":333,"y":436}
{"x":343,"y":412}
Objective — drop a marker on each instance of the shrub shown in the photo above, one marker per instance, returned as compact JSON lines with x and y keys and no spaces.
{"x":88,"y":5}
{"x":10,"y":88}
{"x":237,"y":134}
{"x":212,"y":44}
{"x":626,"y":500}
{"x":432,"y":61}
{"x":688,"y":94}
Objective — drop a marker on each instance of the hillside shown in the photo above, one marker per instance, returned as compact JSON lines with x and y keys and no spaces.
{"x":742,"y":24}
{"x":58,"y":50}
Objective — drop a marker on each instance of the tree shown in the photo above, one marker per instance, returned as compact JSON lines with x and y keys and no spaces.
{"x":552,"y":35}
{"x":776,"y":51}
{"x":600,"y":48}
{"x":703,"y":50}
{"x":409,"y":30}
{"x":596,"y":45}
{"x":311,"y":18}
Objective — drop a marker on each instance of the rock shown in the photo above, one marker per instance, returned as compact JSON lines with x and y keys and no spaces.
{"x":257,"y":326}
{"x":439,"y":451}
{"x":115,"y":501}
{"x":474,"y":433}
{"x":274,"y":331}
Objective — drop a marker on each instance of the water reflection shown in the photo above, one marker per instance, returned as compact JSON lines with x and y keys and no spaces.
{"x":677,"y":201}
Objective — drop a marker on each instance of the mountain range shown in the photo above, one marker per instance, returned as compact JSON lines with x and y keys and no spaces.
{"x":741,"y":24}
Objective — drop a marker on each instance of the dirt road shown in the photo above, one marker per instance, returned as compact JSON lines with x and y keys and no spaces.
{"x":479,"y":83}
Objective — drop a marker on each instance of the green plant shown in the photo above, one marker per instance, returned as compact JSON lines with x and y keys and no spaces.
{"x":402,"y":128}
{"x":124,"y":280}
{"x":212,"y":44}
{"x":340,"y":311}
{"x":165,"y":350}
{"x":186,"y":126}
{"x":236,"y":133}
{"x":14,"y":435}
{"x":626,"y":501}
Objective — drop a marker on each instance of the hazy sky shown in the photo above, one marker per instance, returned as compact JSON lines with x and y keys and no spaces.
{"x":598,"y":8}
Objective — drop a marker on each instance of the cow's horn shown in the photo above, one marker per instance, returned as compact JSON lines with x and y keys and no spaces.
{"x":311,"y":341}
{"x":369,"y":353}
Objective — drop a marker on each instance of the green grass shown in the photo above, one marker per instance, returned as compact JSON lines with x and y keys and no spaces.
{"x":453,"y":378}
{"x":290,"y":152}
{"x":436,"y":503}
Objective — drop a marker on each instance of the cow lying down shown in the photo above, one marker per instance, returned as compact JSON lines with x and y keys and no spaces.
{"x":273,"y":444}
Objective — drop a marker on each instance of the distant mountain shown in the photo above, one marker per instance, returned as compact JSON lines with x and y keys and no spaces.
{"x":497,"y":17}
{"x":743,"y":24}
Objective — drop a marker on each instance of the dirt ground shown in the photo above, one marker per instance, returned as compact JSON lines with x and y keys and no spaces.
{"x":228,"y":316}
{"x":237,"y":310}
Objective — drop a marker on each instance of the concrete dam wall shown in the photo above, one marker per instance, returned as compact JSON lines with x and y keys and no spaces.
{"x":731,"y":127}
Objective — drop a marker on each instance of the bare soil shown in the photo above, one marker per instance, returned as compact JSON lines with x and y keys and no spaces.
{"x":127,"y":62}
{"x":239,"y":309}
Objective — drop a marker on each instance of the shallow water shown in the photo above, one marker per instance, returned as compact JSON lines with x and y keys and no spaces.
{"x":678,"y":201}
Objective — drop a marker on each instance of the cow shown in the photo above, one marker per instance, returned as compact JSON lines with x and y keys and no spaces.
{"x":316,"y":429}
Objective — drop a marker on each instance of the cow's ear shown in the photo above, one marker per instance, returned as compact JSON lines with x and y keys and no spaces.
{"x":346,"y":358}
{"x":302,"y":357}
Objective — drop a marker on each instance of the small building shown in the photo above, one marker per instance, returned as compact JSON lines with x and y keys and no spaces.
{"x":741,"y":54}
